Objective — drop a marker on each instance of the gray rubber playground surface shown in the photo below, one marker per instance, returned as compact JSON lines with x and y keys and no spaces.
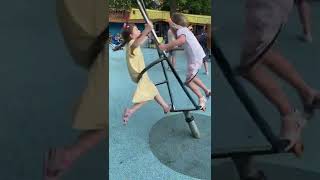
{"x":171,"y":142}
{"x":131,"y":148}
{"x":39,"y":84}
{"x":233,"y":127}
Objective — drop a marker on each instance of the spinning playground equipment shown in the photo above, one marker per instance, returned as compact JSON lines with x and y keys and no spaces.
{"x":188,"y":116}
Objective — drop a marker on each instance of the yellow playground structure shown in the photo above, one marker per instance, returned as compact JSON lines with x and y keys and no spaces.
{"x":160,"y":20}
{"x":156,"y":15}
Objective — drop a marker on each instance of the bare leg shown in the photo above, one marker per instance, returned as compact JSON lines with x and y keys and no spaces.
{"x":285,"y":70}
{"x":265,"y":83}
{"x":198,"y":82}
{"x":163,"y":104}
{"x":304,"y":13}
{"x":64,"y":157}
{"x":194,"y":87}
{"x":129,"y":111}
{"x":86,"y":141}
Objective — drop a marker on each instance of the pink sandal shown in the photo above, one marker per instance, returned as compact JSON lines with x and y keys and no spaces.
{"x":126,"y":115}
{"x":51,"y":168}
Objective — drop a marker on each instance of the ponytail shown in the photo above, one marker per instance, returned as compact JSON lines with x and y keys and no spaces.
{"x":126,"y":31}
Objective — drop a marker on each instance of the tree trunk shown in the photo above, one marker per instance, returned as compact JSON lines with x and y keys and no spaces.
{"x":173,"y":6}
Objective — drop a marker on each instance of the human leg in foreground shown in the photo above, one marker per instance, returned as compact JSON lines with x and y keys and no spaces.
{"x":90,"y":117}
{"x":278,"y":64}
{"x":309,"y":96}
{"x":305,"y":19}
{"x":292,"y":120}
{"x":260,"y":33}
{"x":60,"y":160}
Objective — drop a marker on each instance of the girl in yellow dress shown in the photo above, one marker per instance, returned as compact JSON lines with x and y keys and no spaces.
{"x":146,"y":90}
{"x":83,"y":25}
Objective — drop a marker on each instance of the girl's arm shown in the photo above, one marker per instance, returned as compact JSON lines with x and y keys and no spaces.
{"x":144,"y":35}
{"x":178,"y":42}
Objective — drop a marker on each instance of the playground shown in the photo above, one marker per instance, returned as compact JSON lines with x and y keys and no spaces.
{"x":154,"y":145}
{"x":42,"y":83}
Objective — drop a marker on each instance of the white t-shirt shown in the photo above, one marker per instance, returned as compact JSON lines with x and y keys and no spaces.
{"x":193,"y":50}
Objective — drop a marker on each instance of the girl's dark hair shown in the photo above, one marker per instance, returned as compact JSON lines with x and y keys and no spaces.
{"x":179,"y":19}
{"x":125,"y":33}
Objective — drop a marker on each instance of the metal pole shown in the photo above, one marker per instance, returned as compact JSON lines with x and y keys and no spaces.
{"x":161,"y":54}
{"x":192,"y":124}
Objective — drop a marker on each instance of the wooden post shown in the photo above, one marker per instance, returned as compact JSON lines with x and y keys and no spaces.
{"x":173,"y":6}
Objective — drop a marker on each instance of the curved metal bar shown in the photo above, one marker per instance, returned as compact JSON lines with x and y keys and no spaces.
{"x":149,"y":67}
{"x":182,"y":110}
{"x":177,"y":49}
{"x":163,"y":56}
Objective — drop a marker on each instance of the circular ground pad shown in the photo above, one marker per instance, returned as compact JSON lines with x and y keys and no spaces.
{"x":172,"y":143}
{"x":272,"y":171}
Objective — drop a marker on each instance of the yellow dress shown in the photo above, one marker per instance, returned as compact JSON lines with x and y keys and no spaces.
{"x":146,"y":90}
{"x":81,"y":21}
{"x":92,"y":110}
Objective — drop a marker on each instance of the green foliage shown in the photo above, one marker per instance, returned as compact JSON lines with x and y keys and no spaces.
{"x":124,"y":4}
{"x":202,"y":7}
